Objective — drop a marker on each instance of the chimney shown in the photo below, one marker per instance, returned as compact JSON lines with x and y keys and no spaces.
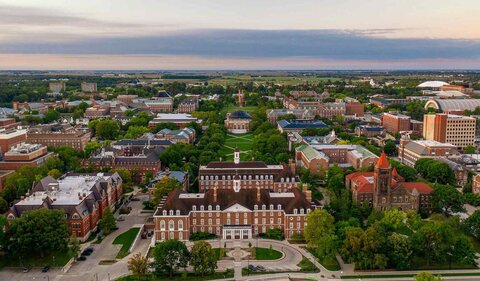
{"x":308,"y":196}
{"x":215,"y":194}
{"x":258,"y":193}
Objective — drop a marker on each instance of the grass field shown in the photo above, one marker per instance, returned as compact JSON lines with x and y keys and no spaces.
{"x":267,"y":254}
{"x":55,"y":259}
{"x":126,"y":239}
{"x":243,"y":142}
{"x":234,"y":107}
{"x":180,"y":277}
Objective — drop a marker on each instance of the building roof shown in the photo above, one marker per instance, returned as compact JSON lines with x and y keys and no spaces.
{"x":227,"y":198}
{"x":453,"y":104}
{"x":432,"y":84}
{"x":239,"y":114}
{"x":302,"y":124}
{"x":382,"y":162}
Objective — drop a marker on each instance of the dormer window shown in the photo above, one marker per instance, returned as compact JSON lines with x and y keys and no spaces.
{"x":164,"y":212}
{"x":209,"y":207}
{"x":279,"y":206}
{"x":271,"y":206}
{"x":201,"y":208}
{"x":194,"y":208}
{"x":264,"y":207}
{"x":218,"y":208}
{"x":301,"y":211}
{"x":178,"y":212}
{"x":171,"y":212}
{"x":295,"y":211}
{"x":255,"y":207}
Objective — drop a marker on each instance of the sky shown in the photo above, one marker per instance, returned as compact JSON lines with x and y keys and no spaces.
{"x":239,"y":35}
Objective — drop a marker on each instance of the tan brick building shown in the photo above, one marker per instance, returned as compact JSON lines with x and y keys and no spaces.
{"x":448,"y":128}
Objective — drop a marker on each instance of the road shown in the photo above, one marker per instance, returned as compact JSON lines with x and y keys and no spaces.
{"x":90,"y":270}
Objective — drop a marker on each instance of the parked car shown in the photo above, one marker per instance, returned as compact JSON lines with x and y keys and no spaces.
{"x":90,"y":249}
{"x":82,"y":258}
{"x":120,"y":218}
{"x":46,"y":268}
{"x":260,"y":268}
{"x":86,"y":253}
{"x":251,"y":267}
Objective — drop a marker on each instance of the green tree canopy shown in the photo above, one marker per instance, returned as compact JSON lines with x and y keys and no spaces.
{"x":169,"y":256}
{"x":203,"y":258}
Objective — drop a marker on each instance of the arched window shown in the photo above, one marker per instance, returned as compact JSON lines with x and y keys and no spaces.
{"x":171,"y":212}
{"x":180,"y":225}
{"x":194,"y":208}
{"x":171,"y":225}
{"x":164,"y":212}
{"x":162,"y":225}
{"x":178,"y":213}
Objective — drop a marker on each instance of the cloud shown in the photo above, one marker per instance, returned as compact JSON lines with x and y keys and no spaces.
{"x":239,"y":43}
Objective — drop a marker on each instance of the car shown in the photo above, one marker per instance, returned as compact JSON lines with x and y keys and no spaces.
{"x":26,"y":269}
{"x":91,"y":249}
{"x":121,"y":218}
{"x":86,"y":253}
{"x":88,"y":250}
{"x":251,"y":267}
{"x":82,"y":258}
{"x":46,"y":268}
{"x":260,"y":268}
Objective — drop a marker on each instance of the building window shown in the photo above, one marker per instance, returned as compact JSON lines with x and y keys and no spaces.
{"x":194,"y":208}
{"x":171,"y":225}
{"x":162,"y":225}
{"x":180,"y":225}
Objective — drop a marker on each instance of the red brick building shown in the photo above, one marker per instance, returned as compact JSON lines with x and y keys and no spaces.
{"x":82,"y":197}
{"x":10,"y":138}
{"x":232,"y":214}
{"x":24,"y":155}
{"x":384,"y":189}
{"x":247,"y":175}
{"x":354,"y":108}
{"x":8,"y":123}
{"x":57,"y":135}
{"x":395,"y":123}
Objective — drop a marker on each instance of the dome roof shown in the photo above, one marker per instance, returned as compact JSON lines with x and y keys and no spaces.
{"x":432,"y":84}
{"x":446,"y":105}
{"x":239,"y":114}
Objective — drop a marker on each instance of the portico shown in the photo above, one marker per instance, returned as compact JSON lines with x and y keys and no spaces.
{"x":237,"y":232}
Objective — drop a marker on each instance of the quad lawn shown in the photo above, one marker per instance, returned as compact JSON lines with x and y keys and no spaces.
{"x":243,"y":142}
{"x":126,"y":239}
{"x":248,"y":109}
{"x":267,"y":254}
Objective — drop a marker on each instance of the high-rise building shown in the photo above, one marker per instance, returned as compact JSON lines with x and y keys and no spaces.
{"x":448,"y":128}
{"x":394,"y":122}
{"x":88,"y":87}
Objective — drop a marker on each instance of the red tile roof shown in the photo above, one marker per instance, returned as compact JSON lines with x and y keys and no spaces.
{"x":382,"y":162}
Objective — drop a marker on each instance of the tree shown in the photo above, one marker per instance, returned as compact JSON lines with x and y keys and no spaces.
{"x":75,"y":247}
{"x":3,"y":205}
{"x":125,"y":174}
{"x":399,"y":251}
{"x":390,"y":148}
{"x":203,"y":258}
{"x":169,"y":256}
{"x":163,"y":187}
{"x":393,"y":219}
{"x":91,"y":147}
{"x":470,"y":149}
{"x":51,"y":115}
{"x":107,"y":129}
{"x":320,"y":233}
{"x":138,"y":265}
{"x":433,"y":240}
{"x":3,"y":234}
{"x":107,"y":223}
{"x":425,"y":276}
{"x":39,"y":232}
{"x":54,"y":173}
{"x":447,"y":199}
{"x":472,"y":224}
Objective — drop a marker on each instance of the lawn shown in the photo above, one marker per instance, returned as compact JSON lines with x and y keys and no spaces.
{"x":329,"y":263}
{"x":243,"y":142}
{"x":181,"y":276}
{"x":248,"y":109}
{"x":267,"y":254}
{"x":56,"y":259}
{"x":126,"y":239}
{"x":307,"y":266}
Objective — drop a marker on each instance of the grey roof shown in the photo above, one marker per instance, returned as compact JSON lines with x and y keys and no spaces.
{"x":302,"y":124}
{"x":239,"y":114}
{"x":453,"y":104}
